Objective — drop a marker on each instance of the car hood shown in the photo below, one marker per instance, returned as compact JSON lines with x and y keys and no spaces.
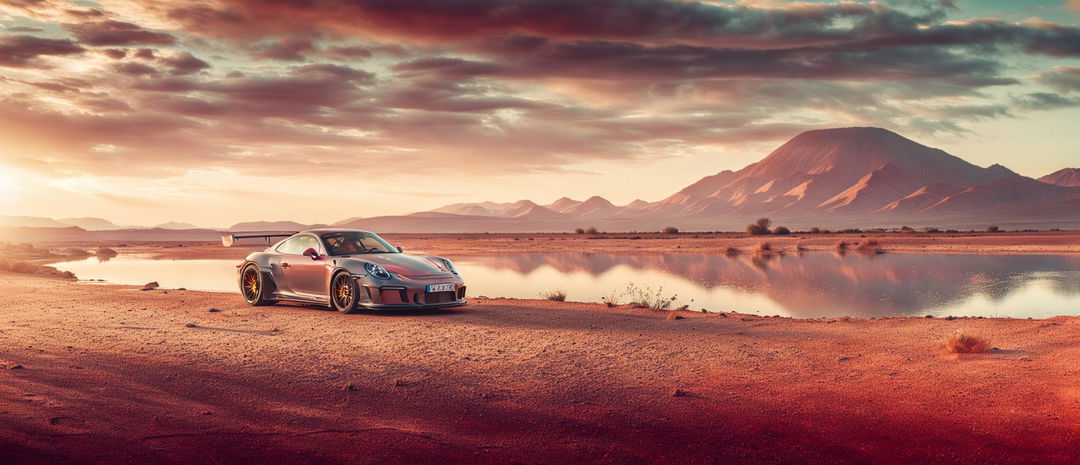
{"x":404,"y":265}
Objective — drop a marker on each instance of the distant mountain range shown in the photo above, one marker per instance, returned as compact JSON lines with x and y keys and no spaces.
{"x":861,"y":177}
{"x":832,"y":177}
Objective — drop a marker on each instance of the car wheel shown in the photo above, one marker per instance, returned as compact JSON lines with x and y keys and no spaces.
{"x":252,"y":286}
{"x":344,"y":293}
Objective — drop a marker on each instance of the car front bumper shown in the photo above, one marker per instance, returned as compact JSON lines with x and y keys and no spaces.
{"x":410,"y":293}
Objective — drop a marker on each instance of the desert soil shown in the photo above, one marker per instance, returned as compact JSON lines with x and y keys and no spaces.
{"x":1046,"y":242}
{"x":111,"y":374}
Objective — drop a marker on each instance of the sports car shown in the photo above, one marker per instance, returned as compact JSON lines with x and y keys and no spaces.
{"x":347,"y":270}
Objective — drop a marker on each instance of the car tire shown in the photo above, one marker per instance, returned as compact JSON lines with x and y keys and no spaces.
{"x":253,"y":285}
{"x":344,"y":293}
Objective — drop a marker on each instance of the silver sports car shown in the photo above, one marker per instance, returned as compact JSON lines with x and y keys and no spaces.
{"x":345,"y":269}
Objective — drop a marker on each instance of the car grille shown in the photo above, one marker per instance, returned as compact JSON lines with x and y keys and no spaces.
{"x":440,"y":297}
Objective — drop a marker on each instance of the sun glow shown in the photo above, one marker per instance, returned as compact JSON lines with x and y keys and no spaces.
{"x":7,"y":183}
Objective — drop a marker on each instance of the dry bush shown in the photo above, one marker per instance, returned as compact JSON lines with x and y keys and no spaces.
{"x":759,"y":227}
{"x":105,"y":252}
{"x":670,"y":230}
{"x":960,"y":343}
{"x":781,"y":231}
{"x":867,"y":245}
{"x":731,"y":251}
{"x":592,"y":230}
{"x":612,"y":299}
{"x":645,"y":297}
{"x":558,"y":295}
{"x":762,"y":247}
{"x":842,"y":245}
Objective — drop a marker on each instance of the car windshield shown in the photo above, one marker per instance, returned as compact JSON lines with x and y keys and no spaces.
{"x":352,"y":243}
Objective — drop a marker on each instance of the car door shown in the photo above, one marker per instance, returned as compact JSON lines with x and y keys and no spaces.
{"x":306,"y":277}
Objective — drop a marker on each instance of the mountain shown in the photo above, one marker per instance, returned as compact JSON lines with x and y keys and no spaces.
{"x":175,"y":225}
{"x":90,"y":223}
{"x":846,"y":170}
{"x":270,"y":226}
{"x":846,"y":176}
{"x":1068,"y":177}
{"x":30,"y":222}
{"x":594,"y":207}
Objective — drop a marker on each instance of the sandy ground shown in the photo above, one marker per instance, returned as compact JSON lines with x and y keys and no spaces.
{"x":1047,"y":242}
{"x":109,"y":374}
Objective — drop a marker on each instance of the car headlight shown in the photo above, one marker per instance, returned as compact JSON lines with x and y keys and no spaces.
{"x":377,"y":271}
{"x":450,"y":266}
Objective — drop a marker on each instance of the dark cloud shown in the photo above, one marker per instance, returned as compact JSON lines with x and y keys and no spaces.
{"x":1061,"y":78}
{"x":1046,"y":101}
{"x":293,"y":49}
{"x":184,"y":63}
{"x":115,"y":53}
{"x":111,"y":32}
{"x":135,"y":69}
{"x":20,"y":51}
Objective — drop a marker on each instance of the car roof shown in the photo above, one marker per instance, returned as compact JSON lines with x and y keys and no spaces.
{"x":323,"y":232}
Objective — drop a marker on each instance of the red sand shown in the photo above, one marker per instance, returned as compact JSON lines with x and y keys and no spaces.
{"x":114,"y":375}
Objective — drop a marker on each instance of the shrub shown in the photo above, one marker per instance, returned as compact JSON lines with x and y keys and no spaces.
{"x":759,"y":227}
{"x":612,"y":299}
{"x":592,"y":230}
{"x":992,"y":228}
{"x":867,"y":245}
{"x":105,"y":252}
{"x":842,"y":245}
{"x":645,"y":297}
{"x":781,"y":231}
{"x":731,"y":251}
{"x":960,"y":343}
{"x":931,"y":229}
{"x":763,"y":247}
{"x":671,"y":230}
{"x":851,"y":230}
{"x":815,"y":230}
{"x":557,"y":295}
{"x":579,"y":231}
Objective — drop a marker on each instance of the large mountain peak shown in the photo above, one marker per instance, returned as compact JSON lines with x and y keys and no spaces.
{"x":1068,"y":177}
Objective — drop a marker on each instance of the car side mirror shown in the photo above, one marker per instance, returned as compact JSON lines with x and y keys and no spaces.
{"x":314,"y":254}
{"x":400,"y":249}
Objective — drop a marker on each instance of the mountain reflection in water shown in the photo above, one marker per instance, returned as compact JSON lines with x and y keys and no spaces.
{"x":804,"y":286}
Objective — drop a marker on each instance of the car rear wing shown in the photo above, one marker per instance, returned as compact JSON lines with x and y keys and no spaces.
{"x":228,"y":240}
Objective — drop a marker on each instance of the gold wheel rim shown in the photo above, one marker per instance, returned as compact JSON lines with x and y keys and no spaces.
{"x":342,"y":292}
{"x":251,"y":285}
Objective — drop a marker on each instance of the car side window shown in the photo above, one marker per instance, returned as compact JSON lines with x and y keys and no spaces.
{"x":291,"y":246}
{"x":307,"y":242}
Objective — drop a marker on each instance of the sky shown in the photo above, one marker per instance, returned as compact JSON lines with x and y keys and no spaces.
{"x":214,"y":112}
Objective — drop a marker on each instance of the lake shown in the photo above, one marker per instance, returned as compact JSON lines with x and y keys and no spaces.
{"x":803,"y":286}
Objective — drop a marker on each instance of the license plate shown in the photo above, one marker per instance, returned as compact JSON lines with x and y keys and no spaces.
{"x":440,"y":287}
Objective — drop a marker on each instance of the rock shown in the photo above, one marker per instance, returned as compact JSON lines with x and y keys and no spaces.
{"x":672,"y":317}
{"x":16,"y":367}
{"x":191,"y":325}
{"x":680,"y":393}
{"x":151,"y":285}
{"x":842,"y":358}
{"x":181,"y":288}
{"x":950,"y":318}
{"x":350,"y":387}
{"x":401,"y":383}
{"x":214,"y":310}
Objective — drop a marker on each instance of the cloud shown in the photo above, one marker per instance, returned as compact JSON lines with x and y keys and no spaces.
{"x":1063,"y":79}
{"x":20,"y":51}
{"x":111,"y":32}
{"x":184,"y":63}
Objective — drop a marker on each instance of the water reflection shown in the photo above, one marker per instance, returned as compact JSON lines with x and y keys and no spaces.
{"x":813,"y":285}
{"x":805,"y":286}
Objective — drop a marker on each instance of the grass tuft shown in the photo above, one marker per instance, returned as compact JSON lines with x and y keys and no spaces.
{"x":557,"y":295}
{"x":763,"y":248}
{"x":960,"y":343}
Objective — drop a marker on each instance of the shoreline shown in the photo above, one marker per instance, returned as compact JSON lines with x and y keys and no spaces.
{"x":1038,"y":243}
